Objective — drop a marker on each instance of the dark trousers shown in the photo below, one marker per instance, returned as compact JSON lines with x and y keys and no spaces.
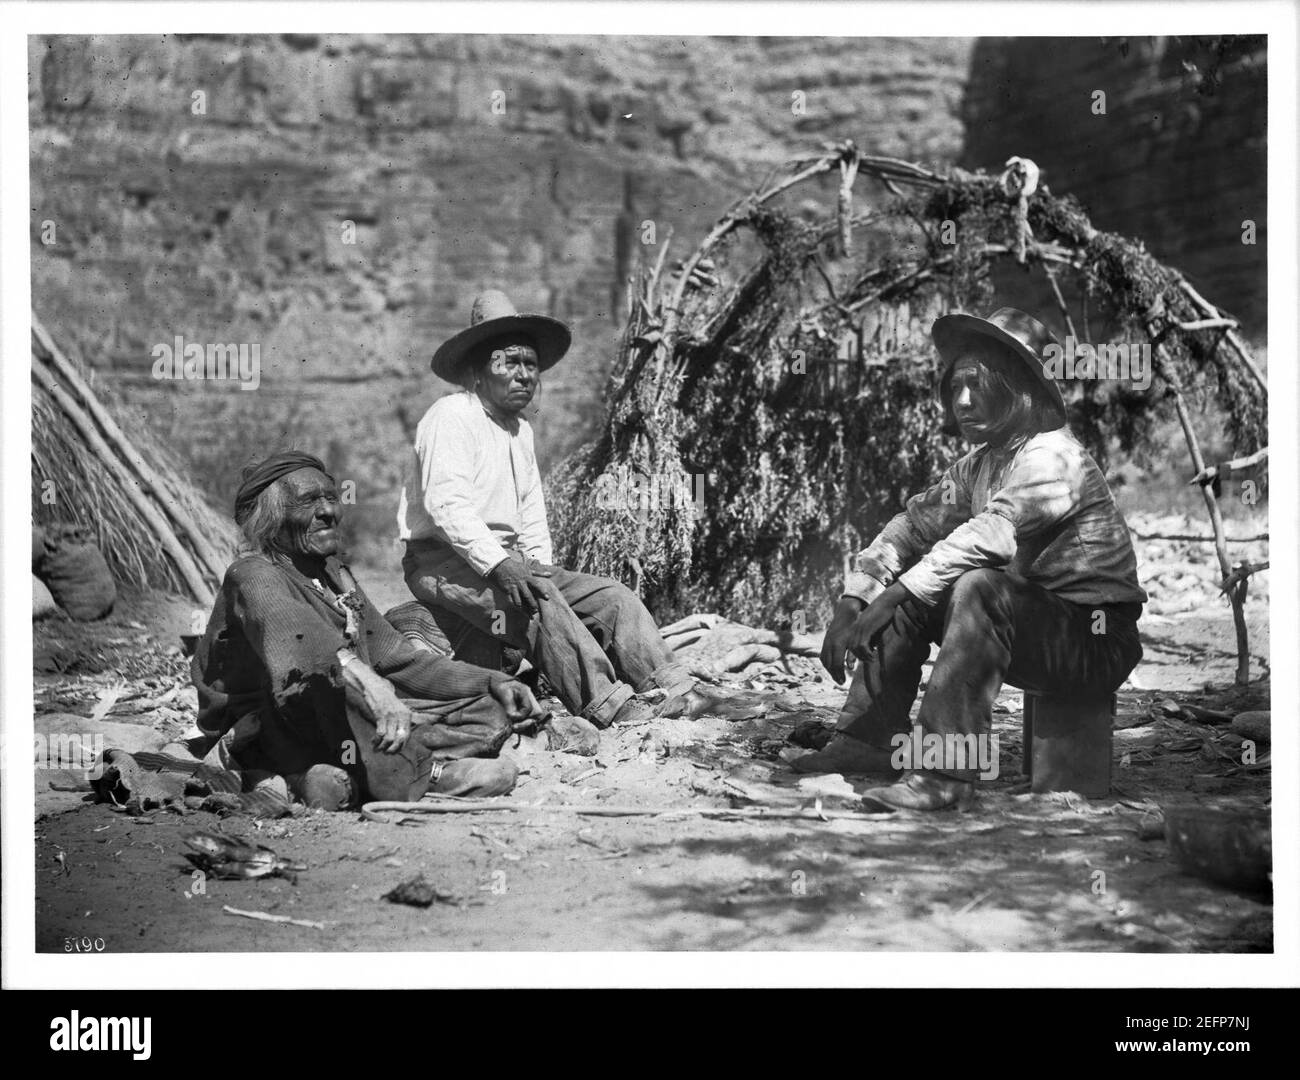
{"x":405,"y":775}
{"x":991,"y":628}
{"x":329,"y":729}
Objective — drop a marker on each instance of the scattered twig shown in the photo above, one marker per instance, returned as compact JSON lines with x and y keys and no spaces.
{"x":1196,"y":538}
{"x":721,"y":813}
{"x":604,"y":857}
{"x":973,"y":903}
{"x":262,"y":916}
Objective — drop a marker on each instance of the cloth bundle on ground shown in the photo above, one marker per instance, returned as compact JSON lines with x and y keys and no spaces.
{"x":74,"y":570}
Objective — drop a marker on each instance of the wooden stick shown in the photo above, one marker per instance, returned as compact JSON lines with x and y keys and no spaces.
{"x":1247,"y":462}
{"x":1208,"y":324}
{"x":1201,"y":539}
{"x":184,"y":562}
{"x":919,"y":271}
{"x":848,"y":173}
{"x":477,"y":806}
{"x":1239,"y":575}
{"x":1240,"y":464}
{"x":658,"y":267}
{"x":153,"y":484}
{"x":262,"y":916}
{"x":1056,"y":291}
{"x":1234,"y":340}
{"x":1175,"y":391}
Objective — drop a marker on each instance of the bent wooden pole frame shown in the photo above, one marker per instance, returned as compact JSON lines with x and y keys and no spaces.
{"x":1234,"y":339}
{"x":1236,"y":594}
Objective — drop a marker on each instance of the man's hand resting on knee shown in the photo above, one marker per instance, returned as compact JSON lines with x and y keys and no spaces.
{"x":854,"y":628}
{"x":878,"y":614}
{"x":523,"y":581}
{"x":377,"y":699}
{"x":835,"y":646}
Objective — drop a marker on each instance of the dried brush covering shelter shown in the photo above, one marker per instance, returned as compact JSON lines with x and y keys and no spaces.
{"x":773,"y":402}
{"x":153,"y":527}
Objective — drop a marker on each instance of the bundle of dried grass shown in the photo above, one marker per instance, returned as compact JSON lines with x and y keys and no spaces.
{"x":773,"y":402}
{"x":151,"y":524}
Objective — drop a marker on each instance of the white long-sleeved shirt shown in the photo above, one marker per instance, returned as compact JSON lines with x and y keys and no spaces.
{"x":473,"y":482}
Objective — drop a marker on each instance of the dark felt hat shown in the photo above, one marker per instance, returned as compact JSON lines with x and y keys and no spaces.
{"x":1019,"y":334}
{"x":493,"y":315}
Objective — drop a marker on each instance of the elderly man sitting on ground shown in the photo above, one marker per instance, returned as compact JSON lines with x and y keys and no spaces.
{"x":300,"y":677}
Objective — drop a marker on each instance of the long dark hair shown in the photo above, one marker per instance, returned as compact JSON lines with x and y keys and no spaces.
{"x":1025,"y":408}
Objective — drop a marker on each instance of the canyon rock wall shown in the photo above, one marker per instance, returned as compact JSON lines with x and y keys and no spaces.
{"x":338,"y":201}
{"x":207,"y":187}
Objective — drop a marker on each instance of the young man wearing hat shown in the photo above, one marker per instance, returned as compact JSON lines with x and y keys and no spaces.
{"x":1016,"y":562}
{"x":478,"y":549}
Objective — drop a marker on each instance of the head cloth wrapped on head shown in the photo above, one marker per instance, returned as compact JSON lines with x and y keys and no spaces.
{"x":260,"y":475}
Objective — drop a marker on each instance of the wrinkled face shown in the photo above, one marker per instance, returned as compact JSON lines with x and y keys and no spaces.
{"x":510,"y":377}
{"x":311,"y":515}
{"x":979,"y":405}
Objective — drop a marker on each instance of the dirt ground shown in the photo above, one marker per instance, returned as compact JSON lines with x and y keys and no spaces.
{"x":1017,"y":873}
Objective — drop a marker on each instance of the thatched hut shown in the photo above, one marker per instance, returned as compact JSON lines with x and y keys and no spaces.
{"x":153,"y":527}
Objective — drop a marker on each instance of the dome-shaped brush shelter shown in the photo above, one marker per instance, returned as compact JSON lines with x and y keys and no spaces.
{"x":773,"y":402}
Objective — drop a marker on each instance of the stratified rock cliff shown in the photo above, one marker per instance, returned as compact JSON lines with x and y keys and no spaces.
{"x":339,"y":200}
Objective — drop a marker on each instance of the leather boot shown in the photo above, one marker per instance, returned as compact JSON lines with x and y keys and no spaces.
{"x":475,"y":777}
{"x":922,"y":791}
{"x":846,"y":755}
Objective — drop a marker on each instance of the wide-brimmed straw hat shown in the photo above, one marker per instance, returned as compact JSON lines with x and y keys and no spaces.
{"x":493,"y":315}
{"x":1019,"y":334}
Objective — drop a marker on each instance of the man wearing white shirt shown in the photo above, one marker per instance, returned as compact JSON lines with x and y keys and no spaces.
{"x":478,"y":548}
